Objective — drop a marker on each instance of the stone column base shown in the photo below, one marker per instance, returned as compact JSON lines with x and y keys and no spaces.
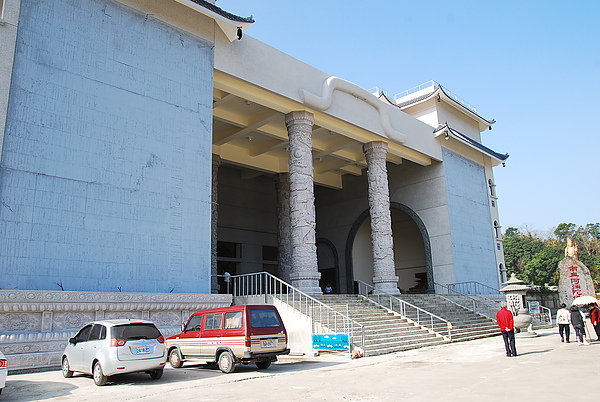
{"x":387,"y":285}
{"x":307,"y":282}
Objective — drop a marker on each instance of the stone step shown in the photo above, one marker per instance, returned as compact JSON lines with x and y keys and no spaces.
{"x":375,"y":351}
{"x":386,"y":332}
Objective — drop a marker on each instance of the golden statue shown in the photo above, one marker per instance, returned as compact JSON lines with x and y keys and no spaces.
{"x":571,"y":250}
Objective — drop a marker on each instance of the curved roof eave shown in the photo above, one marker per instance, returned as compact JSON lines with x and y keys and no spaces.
{"x":445,"y":129}
{"x":439,"y":91}
{"x":232,"y":25}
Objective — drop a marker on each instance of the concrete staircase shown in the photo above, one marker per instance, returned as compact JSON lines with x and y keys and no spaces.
{"x":385,"y":332}
{"x":466,"y":323}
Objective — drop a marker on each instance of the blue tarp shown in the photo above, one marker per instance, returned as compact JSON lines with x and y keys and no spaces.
{"x":331,"y":342}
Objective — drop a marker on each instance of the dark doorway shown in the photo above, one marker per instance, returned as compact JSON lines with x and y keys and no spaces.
{"x":328,"y":265}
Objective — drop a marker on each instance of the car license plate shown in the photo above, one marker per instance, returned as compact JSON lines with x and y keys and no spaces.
{"x":268,"y":343}
{"x":142,"y":350}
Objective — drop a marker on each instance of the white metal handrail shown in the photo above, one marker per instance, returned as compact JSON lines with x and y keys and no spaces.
{"x":472,"y":288}
{"x":481,"y":305}
{"x":543,"y":317}
{"x":419,"y":316}
{"x":324,"y":318}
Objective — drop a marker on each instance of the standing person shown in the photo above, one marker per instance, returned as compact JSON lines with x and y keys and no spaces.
{"x":506,"y":322}
{"x":578,"y":322}
{"x":563,"y":320}
{"x":595,"y":319}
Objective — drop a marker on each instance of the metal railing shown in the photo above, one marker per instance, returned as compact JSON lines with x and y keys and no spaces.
{"x":543,"y":318}
{"x":324,"y":319}
{"x":419,"y":316}
{"x":480,"y":304}
{"x":430,"y":83}
{"x":433,"y":84}
{"x":472,"y":288}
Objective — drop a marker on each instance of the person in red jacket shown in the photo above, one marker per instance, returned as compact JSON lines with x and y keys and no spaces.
{"x":506,"y":322}
{"x":595,"y":319}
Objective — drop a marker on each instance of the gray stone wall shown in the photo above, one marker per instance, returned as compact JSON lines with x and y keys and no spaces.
{"x":36,"y":325}
{"x":105,"y":179}
{"x":473,"y":241}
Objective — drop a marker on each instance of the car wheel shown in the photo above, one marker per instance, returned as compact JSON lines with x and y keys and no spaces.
{"x":99,"y":377}
{"x":66,"y":370}
{"x":175,"y":359}
{"x":156,"y":374}
{"x":264,"y":364}
{"x":226,"y":362}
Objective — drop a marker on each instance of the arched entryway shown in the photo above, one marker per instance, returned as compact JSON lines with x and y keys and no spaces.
{"x":328,"y":261}
{"x":412,"y":251}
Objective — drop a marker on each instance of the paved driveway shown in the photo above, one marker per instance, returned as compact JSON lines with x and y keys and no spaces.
{"x":467,"y":371}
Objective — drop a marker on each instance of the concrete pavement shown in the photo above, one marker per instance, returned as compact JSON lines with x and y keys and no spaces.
{"x":467,"y":371}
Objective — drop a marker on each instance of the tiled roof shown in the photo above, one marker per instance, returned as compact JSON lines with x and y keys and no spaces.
{"x":414,"y":100}
{"x":223,"y":13}
{"x":472,"y":142}
{"x":440,"y":88}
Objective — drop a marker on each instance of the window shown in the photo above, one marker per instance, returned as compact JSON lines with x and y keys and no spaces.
{"x":98,"y":332}
{"x":134,"y":331}
{"x":492,"y":187}
{"x":498,"y":246}
{"x":493,"y":203}
{"x":83,"y":334}
{"x":194,"y":324}
{"x":264,"y":318}
{"x":226,"y":249}
{"x":497,"y":229}
{"x":213,"y":321}
{"x":269,"y":253}
{"x":229,"y":255}
{"x":233,"y":320}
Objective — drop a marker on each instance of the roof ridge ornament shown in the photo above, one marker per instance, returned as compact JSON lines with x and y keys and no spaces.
{"x":324,"y":101}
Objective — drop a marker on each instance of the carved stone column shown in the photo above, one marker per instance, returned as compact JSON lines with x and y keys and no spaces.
{"x":305,"y":271}
{"x":384,"y":271}
{"x":284,"y":232}
{"x":214,"y":285}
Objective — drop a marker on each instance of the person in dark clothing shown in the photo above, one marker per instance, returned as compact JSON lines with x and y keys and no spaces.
{"x":578,"y":322}
{"x":595,"y":319}
{"x":506,"y":322}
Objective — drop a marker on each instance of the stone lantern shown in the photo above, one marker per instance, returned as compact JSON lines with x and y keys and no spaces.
{"x":515,"y":291}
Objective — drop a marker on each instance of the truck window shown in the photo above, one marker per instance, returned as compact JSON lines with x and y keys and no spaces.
{"x":213,"y":321}
{"x":264,"y":318}
{"x":194,"y":323}
{"x":233,"y":320}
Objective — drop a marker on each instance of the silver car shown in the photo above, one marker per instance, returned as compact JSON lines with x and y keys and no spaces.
{"x":109,"y":347}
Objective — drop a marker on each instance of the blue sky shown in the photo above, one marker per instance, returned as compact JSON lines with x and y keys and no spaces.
{"x":533,"y":66}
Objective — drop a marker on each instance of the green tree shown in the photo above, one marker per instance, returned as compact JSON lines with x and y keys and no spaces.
{"x":531,"y":258}
{"x":535,"y":259}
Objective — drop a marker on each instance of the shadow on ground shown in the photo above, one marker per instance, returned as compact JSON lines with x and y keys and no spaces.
{"x":25,"y":391}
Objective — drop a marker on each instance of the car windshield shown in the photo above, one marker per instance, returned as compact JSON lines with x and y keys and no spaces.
{"x":264,"y":318}
{"x":130,"y":332}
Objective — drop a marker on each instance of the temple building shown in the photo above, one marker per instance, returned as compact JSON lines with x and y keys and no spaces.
{"x":153,"y":146}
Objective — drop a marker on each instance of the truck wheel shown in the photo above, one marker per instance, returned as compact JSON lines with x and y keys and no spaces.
{"x":175,"y":359}
{"x":226,"y":362}
{"x":264,"y":364}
